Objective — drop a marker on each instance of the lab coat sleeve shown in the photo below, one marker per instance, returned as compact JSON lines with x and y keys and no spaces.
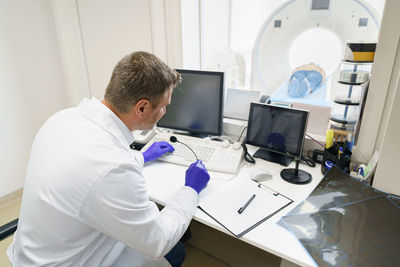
{"x":118,"y":206}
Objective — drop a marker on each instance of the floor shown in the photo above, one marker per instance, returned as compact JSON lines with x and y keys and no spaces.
{"x":9,"y":210}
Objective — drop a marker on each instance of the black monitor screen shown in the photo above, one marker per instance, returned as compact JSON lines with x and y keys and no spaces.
{"x":277,"y":129}
{"x":196,"y":104}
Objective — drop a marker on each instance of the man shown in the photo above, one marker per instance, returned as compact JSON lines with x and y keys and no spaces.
{"x":85,"y":201}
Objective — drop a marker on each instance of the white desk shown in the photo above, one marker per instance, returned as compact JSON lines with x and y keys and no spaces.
{"x":164,"y":179}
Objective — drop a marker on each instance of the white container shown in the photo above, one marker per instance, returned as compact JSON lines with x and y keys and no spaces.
{"x":341,"y":126}
{"x":348,"y":94}
{"x":354,"y":77}
{"x":345,"y":114}
{"x":352,"y":66}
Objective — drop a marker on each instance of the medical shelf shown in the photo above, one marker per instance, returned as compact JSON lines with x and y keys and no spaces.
{"x":349,"y":94}
{"x":350,"y":83}
{"x":360,"y":62}
{"x":354,"y":77}
{"x":348,"y":102}
{"x":345,"y":113}
{"x":342,"y":120}
{"x":363,"y":52}
{"x":361,"y":65}
{"x":341,"y":126}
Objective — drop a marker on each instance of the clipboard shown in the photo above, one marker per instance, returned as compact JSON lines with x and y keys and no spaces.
{"x":223,"y":207}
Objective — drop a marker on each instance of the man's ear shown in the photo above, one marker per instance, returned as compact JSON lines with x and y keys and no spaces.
{"x":141,"y":107}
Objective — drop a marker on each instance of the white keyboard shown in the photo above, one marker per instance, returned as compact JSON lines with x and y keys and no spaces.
{"x":216,"y":156}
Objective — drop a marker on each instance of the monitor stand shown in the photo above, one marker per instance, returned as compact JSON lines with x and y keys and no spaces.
{"x":296,"y":176}
{"x":281,"y":159}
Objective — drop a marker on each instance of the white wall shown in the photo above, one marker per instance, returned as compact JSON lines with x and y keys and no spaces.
{"x":385,"y":83}
{"x":95,"y":34}
{"x":110,"y":31}
{"x":387,"y":173}
{"x":55,"y":53}
{"x":32,"y":84}
{"x":378,"y":89}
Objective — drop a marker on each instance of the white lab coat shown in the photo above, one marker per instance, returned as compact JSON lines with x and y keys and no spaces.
{"x":85,"y":200}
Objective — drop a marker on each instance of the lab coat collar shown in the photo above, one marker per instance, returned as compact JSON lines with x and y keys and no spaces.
{"x":97,"y":112}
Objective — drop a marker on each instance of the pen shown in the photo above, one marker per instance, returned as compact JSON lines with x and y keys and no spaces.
{"x":247,"y":203}
{"x":340,"y":153}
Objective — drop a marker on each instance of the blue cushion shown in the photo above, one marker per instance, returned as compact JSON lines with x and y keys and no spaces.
{"x":299,"y":75}
{"x":302,"y":82}
{"x":297,"y":88}
{"x":314,"y":78}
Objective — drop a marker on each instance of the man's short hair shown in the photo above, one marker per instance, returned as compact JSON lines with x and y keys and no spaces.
{"x":137,"y":76}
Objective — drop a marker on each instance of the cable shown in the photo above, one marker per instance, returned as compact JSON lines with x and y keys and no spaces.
{"x":173,"y":139}
{"x":315,"y":140}
{"x":240,"y":136}
{"x":247,"y":156}
{"x":308,"y":161}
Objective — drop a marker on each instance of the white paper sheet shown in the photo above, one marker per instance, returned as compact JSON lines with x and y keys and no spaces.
{"x":224,"y":207}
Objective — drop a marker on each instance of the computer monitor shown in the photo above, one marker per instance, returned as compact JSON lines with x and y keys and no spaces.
{"x":196,"y":104}
{"x":279,"y":132}
{"x":237,"y":103}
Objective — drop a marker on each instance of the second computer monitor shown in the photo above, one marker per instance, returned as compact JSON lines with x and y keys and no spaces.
{"x":196,"y":104}
{"x":279,"y":131}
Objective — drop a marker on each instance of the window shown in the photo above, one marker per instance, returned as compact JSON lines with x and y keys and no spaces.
{"x":230,"y":28}
{"x":225,"y":33}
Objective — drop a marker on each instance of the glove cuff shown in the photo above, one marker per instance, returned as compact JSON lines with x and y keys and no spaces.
{"x":145,"y":158}
{"x":195,"y":188}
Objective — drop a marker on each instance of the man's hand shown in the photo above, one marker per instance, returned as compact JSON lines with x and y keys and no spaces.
{"x":156,"y":150}
{"x":197,"y":176}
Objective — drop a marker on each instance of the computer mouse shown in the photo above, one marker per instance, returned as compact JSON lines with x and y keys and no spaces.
{"x":261,"y":175}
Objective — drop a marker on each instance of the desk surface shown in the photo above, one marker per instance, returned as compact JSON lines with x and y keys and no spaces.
{"x":165,"y":179}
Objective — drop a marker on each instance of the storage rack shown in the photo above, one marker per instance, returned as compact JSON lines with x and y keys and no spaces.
{"x":350,"y":95}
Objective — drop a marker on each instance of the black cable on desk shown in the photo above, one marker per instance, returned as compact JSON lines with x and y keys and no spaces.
{"x":247,"y":156}
{"x":240,"y":136}
{"x":308,"y":161}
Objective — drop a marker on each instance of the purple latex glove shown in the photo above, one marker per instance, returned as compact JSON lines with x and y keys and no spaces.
{"x":197,"y":176}
{"x":156,"y":150}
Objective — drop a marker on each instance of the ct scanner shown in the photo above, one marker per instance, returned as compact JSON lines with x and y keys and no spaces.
{"x":348,"y":20}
